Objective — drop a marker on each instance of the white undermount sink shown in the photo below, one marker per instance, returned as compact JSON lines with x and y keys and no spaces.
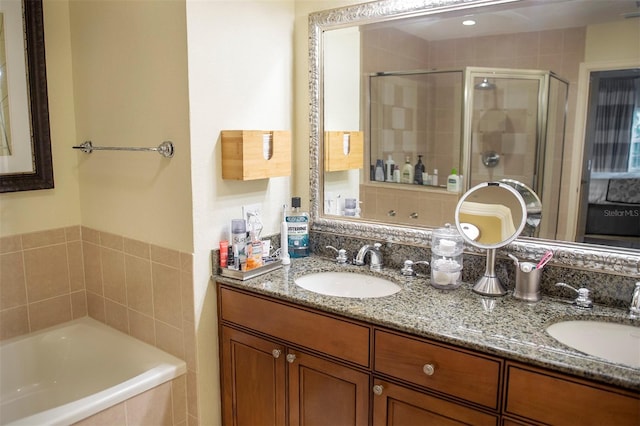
{"x":347,"y":284}
{"x":613,"y":342}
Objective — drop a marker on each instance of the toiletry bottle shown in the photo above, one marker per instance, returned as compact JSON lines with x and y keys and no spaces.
{"x":396,"y":173}
{"x":298,"y":230}
{"x":434,"y":177}
{"x":389,"y":169}
{"x":239,"y":242}
{"x":254,"y":250}
{"x":418,"y":171}
{"x":453,"y":181}
{"x":379,"y":171}
{"x":407,"y":171}
{"x":224,"y":253}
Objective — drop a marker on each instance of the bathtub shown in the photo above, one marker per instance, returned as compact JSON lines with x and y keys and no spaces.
{"x":66,"y":373}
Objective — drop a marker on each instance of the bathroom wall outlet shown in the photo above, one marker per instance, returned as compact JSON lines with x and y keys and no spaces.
{"x":251,"y":209}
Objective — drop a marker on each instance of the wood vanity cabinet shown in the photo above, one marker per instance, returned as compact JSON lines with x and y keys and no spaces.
{"x":284,"y":364}
{"x":536,"y":396}
{"x":278,"y":378}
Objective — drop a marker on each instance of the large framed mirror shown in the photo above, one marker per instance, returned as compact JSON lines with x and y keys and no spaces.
{"x":495,"y":100}
{"x":25,"y":141}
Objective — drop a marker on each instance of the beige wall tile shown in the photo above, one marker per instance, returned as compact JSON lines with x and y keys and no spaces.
{"x":186,"y":262}
{"x":167,"y":294}
{"x":116,"y":316}
{"x":92,"y":267}
{"x":190,"y":353}
{"x":76,"y":267}
{"x":152,"y":407}
{"x":192,"y":396}
{"x":170,"y":339}
{"x":142,"y":327}
{"x":79,"y":304}
{"x":47,"y":273}
{"x":72,"y":233}
{"x":111,"y":241}
{"x":50,"y":312}
{"x":10,"y":244}
{"x":165,"y":256}
{"x":137,"y":248}
{"x":186,"y":284}
{"x":43,"y":238}
{"x":95,"y":306}
{"x":112,"y":416}
{"x":138,"y":284}
{"x":13,"y":290}
{"x":14,"y":322}
{"x":179,"y":399}
{"x":113,"y":280}
{"x":90,"y":235}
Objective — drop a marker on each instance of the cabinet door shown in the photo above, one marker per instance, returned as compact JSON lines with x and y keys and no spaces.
{"x":323,"y":393}
{"x":395,"y":405}
{"x":253,"y":382}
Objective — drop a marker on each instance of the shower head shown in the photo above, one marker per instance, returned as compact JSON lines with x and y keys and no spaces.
{"x":485,"y":85}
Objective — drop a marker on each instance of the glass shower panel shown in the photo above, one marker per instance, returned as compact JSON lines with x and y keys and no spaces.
{"x":551,"y":180}
{"x":504,"y":129}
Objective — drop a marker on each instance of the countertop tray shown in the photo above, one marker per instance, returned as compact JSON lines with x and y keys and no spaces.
{"x":246,"y":275}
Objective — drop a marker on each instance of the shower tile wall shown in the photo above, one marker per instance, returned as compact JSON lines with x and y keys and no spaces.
{"x":141,"y":289}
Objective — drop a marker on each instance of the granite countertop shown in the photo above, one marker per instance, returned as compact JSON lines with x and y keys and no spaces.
{"x":501,"y":326}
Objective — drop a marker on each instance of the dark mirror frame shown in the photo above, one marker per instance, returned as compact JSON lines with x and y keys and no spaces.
{"x":42,"y":177}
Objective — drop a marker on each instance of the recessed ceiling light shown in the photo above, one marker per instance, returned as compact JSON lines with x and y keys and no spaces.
{"x":468,"y":22}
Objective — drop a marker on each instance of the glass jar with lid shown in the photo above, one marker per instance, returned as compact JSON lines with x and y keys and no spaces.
{"x":446,"y":258}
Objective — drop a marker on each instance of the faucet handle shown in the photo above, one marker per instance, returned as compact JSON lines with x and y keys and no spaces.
{"x":583,"y":300}
{"x":634,"y":309}
{"x":407,"y":269}
{"x":342,"y":255}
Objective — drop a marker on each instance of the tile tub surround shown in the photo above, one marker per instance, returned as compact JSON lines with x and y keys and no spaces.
{"x":141,"y":289}
{"x":500,"y":326}
{"x":612,"y":290}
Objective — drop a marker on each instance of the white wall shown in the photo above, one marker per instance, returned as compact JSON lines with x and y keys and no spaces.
{"x":240,"y":77}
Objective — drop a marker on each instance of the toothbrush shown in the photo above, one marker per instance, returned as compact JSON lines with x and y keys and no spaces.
{"x":545,"y":259}
{"x":284,"y":241}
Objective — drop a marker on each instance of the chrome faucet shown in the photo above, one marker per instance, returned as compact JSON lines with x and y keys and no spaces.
{"x":583,"y":300}
{"x":634,"y":310}
{"x":375,"y":260}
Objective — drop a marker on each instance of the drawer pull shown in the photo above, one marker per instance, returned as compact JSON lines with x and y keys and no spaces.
{"x":276,"y":353}
{"x":429,"y":369}
{"x":391,"y":213}
{"x":377,"y":389}
{"x":291,"y":358}
{"x":414,"y":215}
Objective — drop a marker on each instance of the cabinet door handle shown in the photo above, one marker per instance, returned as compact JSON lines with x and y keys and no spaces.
{"x":429,"y":369}
{"x":413,"y":215}
{"x":291,"y":358}
{"x":391,"y":213}
{"x":377,"y":389}
{"x":276,"y":353}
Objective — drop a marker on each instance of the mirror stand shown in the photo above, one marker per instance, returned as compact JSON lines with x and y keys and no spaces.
{"x":489,"y":284}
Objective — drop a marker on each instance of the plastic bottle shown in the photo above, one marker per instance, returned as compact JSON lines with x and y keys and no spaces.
{"x":434,"y":177}
{"x":453,"y":181}
{"x":379,"y":171}
{"x":418,"y":171}
{"x":284,"y":238}
{"x":396,"y":174}
{"x":254,"y":250}
{"x":389,"y":168}
{"x":239,"y":242}
{"x":407,"y":171}
{"x":297,"y":230}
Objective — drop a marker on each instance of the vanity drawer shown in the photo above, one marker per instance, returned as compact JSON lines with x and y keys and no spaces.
{"x":435,"y":366}
{"x":332,"y":336}
{"x":554,"y":398}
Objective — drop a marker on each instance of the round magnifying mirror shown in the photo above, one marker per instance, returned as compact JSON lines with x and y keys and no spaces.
{"x":490,"y":215}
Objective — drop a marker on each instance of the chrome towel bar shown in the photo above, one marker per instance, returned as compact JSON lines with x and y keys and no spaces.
{"x":165,"y":148}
